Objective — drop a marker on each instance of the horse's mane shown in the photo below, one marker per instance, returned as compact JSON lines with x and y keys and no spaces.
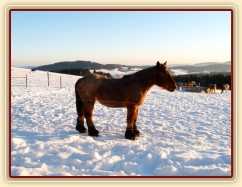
{"x":139,"y":74}
{"x":127,"y":76}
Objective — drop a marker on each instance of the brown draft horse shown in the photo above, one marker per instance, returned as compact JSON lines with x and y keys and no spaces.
{"x":128,"y":92}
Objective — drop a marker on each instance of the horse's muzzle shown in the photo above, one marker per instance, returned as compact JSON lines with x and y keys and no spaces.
{"x":172,"y":89}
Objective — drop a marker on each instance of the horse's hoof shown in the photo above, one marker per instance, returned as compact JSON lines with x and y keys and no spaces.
{"x":81,"y":129}
{"x":136,"y":132}
{"x":130,"y":135}
{"x":92,"y":131}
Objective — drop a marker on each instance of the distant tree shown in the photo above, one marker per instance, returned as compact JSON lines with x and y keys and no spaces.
{"x":84,"y":72}
{"x":74,"y":71}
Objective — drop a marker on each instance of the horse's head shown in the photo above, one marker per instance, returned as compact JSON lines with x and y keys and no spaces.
{"x":164,"y":78}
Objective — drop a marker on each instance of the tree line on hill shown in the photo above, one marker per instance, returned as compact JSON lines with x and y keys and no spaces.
{"x":205,"y":79}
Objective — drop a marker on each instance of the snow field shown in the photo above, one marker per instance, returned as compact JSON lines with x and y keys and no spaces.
{"x":183,"y":134}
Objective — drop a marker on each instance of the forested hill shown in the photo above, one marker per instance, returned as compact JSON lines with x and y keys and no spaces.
{"x":79,"y":64}
{"x":188,"y":69}
{"x":205,"y":67}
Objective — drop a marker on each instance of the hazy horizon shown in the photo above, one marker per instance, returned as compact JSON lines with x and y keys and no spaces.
{"x":125,"y":37}
{"x":169,"y":64}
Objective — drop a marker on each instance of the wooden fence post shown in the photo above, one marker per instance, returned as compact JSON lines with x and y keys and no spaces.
{"x":48,"y":78}
{"x":60,"y":82}
{"x":26,"y":81}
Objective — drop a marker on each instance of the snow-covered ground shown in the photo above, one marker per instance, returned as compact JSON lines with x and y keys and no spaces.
{"x":183,"y":134}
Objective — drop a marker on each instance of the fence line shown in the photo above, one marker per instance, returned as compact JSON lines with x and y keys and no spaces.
{"x":26,"y":79}
{"x":48,"y":79}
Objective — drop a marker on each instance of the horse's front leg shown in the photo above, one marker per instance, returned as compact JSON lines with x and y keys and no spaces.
{"x":132,"y":110}
{"x":88,"y":112}
{"x":135,"y":129}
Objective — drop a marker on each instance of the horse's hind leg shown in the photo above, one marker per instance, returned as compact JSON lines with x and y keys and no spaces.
{"x":80,"y":123}
{"x":80,"y":119}
{"x":88,"y":112}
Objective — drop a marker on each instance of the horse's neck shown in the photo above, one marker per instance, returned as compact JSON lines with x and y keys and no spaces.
{"x":146,"y":78}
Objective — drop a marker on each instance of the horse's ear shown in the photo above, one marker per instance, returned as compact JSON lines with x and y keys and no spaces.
{"x":158,"y":63}
{"x":165,"y":62}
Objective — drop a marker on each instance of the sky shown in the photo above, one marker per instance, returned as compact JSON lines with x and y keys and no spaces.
{"x":123,"y":37}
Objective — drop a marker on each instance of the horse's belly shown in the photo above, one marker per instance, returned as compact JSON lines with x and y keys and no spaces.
{"x":113,"y":104}
{"x":118,"y":95}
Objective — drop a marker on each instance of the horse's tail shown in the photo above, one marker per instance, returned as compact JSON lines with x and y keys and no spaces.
{"x":79,"y":102}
